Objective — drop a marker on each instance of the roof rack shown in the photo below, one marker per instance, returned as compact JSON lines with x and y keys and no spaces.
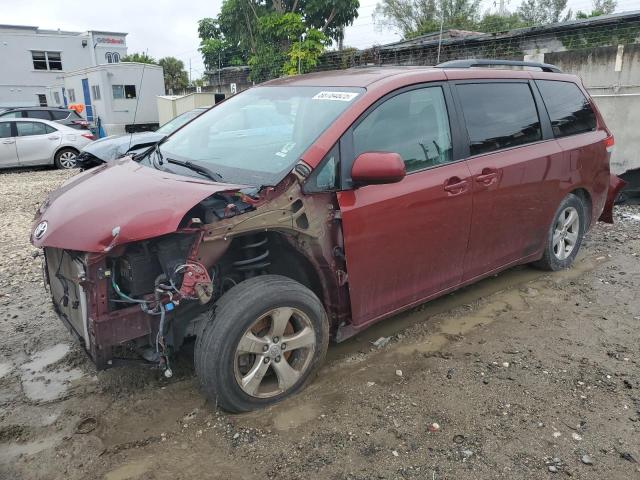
{"x":545,"y":67}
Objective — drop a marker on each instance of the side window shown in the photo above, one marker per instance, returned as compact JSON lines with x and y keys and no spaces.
{"x":325,"y":177}
{"x":568,"y":108}
{"x":60,"y":114}
{"x":413,"y":124}
{"x":5,"y":130}
{"x":14,"y":114}
{"x":27,"y":129}
{"x":42,"y":114}
{"x":499,"y":115}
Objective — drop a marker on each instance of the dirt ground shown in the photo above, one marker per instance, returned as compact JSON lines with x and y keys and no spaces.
{"x":527,"y":375}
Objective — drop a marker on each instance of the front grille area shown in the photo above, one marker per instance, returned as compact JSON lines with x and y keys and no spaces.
{"x":64,"y":271}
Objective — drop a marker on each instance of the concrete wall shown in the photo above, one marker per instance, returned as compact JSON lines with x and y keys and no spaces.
{"x":612,"y":77}
{"x":170,"y":107}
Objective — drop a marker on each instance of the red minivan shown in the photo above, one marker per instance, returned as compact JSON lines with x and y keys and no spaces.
{"x":310,"y":207}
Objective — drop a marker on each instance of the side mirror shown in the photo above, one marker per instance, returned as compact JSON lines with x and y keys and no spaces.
{"x":374,"y":168}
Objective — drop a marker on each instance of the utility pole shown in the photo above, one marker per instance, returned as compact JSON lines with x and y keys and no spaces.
{"x":190,"y":82}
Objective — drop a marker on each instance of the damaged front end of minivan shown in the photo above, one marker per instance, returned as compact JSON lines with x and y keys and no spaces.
{"x":142,"y":280}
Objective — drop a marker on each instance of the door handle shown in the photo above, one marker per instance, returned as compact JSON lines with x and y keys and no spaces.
{"x":455,"y":185}
{"x":488,"y":176}
{"x":54,"y":137}
{"x":8,"y":141}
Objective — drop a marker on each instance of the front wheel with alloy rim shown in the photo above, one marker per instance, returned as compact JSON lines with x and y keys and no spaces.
{"x":267,"y":338}
{"x":565,"y":235}
{"x":66,"y":158}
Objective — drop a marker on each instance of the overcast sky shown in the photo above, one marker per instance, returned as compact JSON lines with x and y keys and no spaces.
{"x":169,"y":27}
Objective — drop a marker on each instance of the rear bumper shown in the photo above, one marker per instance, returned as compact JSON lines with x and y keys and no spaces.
{"x":615,"y":186}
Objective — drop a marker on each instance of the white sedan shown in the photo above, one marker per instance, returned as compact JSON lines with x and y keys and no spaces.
{"x":26,"y":142}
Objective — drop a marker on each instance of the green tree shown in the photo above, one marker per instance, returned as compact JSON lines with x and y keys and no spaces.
{"x":272,"y":35}
{"x":600,"y":7}
{"x":541,"y":12}
{"x":419,"y":17}
{"x":175,"y":76}
{"x":139,"y":58}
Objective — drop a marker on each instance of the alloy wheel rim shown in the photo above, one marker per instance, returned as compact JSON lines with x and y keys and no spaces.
{"x":274,"y":352}
{"x":565,"y":233}
{"x":68,"y":159}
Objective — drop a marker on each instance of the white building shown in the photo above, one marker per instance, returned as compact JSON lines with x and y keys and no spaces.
{"x":121,"y":95}
{"x":34,"y":61}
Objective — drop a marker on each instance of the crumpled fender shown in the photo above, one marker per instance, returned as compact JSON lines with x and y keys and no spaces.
{"x":615,"y":185}
{"x":118,"y":203}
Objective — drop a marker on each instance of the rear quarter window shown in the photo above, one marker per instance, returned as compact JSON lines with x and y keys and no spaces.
{"x":499,"y":115}
{"x":569,"y":110}
{"x":42,"y":114}
{"x":60,"y":114}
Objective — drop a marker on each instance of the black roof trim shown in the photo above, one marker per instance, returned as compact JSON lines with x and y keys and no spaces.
{"x":545,"y":67}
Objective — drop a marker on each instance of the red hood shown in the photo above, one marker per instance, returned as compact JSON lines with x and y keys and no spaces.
{"x":118,"y":203}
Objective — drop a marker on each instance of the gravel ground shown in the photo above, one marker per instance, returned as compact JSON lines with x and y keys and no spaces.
{"x":525,"y":375}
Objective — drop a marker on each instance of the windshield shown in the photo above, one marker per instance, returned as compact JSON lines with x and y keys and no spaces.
{"x":174,"y":124}
{"x":256,"y":137}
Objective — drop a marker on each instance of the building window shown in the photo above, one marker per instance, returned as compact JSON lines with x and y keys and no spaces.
{"x":72,"y":95}
{"x":42,"y":100}
{"x":108,"y":57}
{"x":95,"y":91}
{"x":46,"y":60}
{"x":56,"y":97}
{"x":116,"y":57}
{"x":123,"y":91}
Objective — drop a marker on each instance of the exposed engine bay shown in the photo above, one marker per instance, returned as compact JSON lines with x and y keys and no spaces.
{"x":149,"y":296}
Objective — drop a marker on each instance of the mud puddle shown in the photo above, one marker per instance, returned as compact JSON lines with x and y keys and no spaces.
{"x":41,"y":384}
{"x":510,"y":279}
{"x":508,"y":294}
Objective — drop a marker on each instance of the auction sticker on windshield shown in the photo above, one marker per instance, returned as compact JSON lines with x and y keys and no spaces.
{"x":340,"y":96}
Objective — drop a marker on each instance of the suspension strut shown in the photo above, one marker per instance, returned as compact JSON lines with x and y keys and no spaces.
{"x":255,"y":256}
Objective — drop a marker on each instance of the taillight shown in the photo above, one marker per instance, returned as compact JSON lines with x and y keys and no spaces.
{"x":89,"y":136}
{"x":609,"y":143}
{"x":82,"y":123}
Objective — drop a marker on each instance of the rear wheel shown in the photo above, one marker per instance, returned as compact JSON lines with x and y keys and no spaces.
{"x":66,"y":158}
{"x":565,"y":235}
{"x":267,"y":338}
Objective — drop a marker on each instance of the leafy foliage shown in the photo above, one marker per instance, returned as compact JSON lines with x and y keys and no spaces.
{"x":412,"y":18}
{"x":600,"y":7}
{"x":139,"y":58}
{"x":540,"y":12}
{"x":273,"y":36}
{"x":175,"y":76}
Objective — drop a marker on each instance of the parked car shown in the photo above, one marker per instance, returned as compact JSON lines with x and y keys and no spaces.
{"x":67,"y":117}
{"x":116,"y":146}
{"x":25,"y":143}
{"x":383,"y":188}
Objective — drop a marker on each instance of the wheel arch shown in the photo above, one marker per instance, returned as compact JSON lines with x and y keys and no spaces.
{"x":584,"y":195}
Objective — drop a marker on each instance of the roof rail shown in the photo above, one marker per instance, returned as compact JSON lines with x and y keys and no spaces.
{"x":545,"y":67}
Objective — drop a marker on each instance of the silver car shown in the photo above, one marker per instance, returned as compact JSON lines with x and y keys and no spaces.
{"x":27,"y":142}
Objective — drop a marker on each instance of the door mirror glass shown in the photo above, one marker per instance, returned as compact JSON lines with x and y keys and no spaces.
{"x":374,"y":168}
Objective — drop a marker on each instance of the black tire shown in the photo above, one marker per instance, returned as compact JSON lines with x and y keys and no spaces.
{"x":235,"y":312}
{"x":61,"y":161}
{"x":550,"y":259}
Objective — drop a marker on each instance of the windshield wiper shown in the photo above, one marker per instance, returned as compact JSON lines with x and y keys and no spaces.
{"x":204,"y":171}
